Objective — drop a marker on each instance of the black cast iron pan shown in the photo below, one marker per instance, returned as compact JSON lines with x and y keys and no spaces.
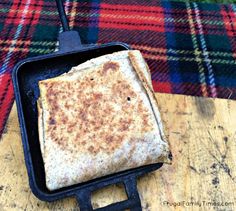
{"x":26,"y":75}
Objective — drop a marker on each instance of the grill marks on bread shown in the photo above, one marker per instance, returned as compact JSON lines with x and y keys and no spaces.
{"x":99,"y":114}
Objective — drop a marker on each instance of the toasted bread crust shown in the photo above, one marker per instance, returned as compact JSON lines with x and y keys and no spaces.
{"x":98,"y":120}
{"x":139,"y":65}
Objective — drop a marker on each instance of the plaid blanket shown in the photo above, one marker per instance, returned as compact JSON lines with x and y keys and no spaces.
{"x":190,"y":47}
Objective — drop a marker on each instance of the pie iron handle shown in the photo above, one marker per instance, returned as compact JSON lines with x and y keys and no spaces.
{"x":69,"y":40}
{"x":133,"y":202}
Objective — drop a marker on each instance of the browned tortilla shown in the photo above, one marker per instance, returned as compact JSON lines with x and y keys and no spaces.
{"x":97,"y":121}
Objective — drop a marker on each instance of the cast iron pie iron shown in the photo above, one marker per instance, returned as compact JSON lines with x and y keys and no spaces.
{"x":26,"y":75}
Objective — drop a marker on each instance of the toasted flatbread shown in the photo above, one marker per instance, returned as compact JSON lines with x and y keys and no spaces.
{"x":94,"y":63}
{"x":99,"y":118}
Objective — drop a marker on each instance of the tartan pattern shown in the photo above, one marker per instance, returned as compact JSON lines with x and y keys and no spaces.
{"x":190,"y":47}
